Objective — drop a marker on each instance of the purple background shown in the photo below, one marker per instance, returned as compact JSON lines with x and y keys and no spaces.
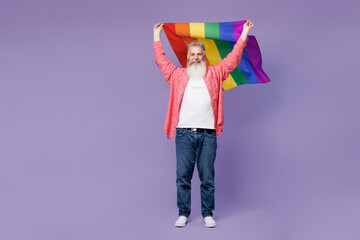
{"x":82,"y":103}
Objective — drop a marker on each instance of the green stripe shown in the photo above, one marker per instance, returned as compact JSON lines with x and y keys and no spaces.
{"x":239,"y":76}
{"x":225,"y":48}
{"x":212,"y":31}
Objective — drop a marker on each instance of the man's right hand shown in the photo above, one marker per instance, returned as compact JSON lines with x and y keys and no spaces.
{"x":157,"y":29}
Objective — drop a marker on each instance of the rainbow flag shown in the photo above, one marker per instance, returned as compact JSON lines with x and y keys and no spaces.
{"x":219,"y":39}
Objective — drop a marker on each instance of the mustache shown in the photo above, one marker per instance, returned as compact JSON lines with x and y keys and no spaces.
{"x":194,"y":61}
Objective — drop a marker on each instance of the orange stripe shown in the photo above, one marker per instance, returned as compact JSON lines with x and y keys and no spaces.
{"x":182,"y":29}
{"x":188,"y":40}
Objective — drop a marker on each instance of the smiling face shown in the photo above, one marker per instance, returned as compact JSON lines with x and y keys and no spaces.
{"x":195,"y":55}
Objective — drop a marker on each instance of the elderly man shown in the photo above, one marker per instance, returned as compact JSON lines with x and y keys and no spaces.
{"x":195,"y":117}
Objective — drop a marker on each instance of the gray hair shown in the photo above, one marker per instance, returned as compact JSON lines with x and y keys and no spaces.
{"x":196,"y":43}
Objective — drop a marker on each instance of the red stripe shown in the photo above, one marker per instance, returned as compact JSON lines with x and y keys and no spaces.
{"x":177,"y":43}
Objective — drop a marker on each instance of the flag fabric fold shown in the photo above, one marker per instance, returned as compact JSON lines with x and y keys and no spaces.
{"x":219,"y":39}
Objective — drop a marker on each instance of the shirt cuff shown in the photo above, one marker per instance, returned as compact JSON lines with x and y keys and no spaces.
{"x":243,"y":43}
{"x":157,"y":44}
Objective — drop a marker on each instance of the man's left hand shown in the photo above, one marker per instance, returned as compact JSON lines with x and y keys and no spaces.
{"x":248,"y":25}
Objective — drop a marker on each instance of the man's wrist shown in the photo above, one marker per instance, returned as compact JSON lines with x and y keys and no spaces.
{"x":156,"y":37}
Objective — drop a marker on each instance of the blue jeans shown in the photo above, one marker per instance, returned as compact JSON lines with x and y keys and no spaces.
{"x":196,"y":147}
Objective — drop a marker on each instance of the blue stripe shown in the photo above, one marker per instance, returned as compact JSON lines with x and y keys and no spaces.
{"x":226,"y":31}
{"x":246,"y":66}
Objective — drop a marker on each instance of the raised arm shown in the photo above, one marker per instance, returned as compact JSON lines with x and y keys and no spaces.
{"x":167,"y":68}
{"x":233,"y":59}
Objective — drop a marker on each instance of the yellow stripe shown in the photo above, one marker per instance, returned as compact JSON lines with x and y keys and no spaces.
{"x":197,"y":30}
{"x":212,"y":53}
{"x":229,"y":83}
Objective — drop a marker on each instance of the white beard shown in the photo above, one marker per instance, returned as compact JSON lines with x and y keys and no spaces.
{"x":196,"y":70}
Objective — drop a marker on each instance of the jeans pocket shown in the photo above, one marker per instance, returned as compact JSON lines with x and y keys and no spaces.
{"x":180,"y":132}
{"x":212,"y":134}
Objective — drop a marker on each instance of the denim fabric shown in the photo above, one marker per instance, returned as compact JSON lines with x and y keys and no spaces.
{"x":196,"y":147}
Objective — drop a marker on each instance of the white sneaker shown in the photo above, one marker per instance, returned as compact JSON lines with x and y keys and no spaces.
{"x":209,"y":222}
{"x":181,"y":222}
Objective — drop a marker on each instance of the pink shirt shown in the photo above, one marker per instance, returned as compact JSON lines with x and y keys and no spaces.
{"x":178,"y":79}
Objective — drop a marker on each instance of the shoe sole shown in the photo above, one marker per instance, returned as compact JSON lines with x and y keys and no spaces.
{"x":180,"y":225}
{"x":210,"y":226}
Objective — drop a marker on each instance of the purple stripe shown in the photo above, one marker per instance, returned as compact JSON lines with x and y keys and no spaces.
{"x":238,"y":27}
{"x":254,"y":54}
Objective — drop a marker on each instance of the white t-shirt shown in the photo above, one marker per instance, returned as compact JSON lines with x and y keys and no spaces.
{"x":196,"y":110}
